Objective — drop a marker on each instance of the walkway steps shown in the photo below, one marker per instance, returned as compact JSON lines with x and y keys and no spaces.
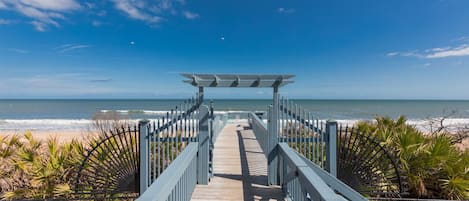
{"x":240,"y":169}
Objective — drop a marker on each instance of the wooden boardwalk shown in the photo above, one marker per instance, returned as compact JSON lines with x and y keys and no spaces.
{"x":240,"y":169}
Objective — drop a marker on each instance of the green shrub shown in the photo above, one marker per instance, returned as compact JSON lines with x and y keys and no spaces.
{"x":32,"y":169}
{"x":434,"y":167}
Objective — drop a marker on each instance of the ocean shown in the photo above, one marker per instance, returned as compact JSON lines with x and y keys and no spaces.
{"x":75,"y":114}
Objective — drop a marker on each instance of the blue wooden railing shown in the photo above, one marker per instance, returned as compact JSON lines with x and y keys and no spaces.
{"x":302,"y":174}
{"x":178,"y":181}
{"x":176,"y":154}
{"x":176,"y":151}
{"x":299,"y":181}
{"x":218,"y":123}
{"x":259,"y":128}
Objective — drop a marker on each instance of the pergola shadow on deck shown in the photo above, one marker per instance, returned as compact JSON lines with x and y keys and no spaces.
{"x":240,"y":169}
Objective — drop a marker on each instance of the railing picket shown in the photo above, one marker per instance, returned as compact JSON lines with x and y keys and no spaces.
{"x":310,"y":132}
{"x":159,"y":147}
{"x":322,"y":145}
{"x":280,"y":125}
{"x":305,"y":128}
{"x":153,"y":155}
{"x":290,"y":109}
{"x":192,"y":130}
{"x":296,"y":126}
{"x":317,"y":142}
{"x":163,"y":141}
{"x":189,"y":123}
{"x":176,"y":137}
{"x":167,"y":142}
{"x":185,"y":122}
{"x":171,"y":138}
{"x":284,"y":120}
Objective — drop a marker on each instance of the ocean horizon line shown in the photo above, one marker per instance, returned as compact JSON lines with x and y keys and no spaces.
{"x":214,"y":99}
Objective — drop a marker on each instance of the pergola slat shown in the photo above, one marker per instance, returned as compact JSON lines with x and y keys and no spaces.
{"x":235,"y":80}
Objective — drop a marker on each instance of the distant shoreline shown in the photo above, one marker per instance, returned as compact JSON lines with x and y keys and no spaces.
{"x":83,"y":124}
{"x":67,"y":130}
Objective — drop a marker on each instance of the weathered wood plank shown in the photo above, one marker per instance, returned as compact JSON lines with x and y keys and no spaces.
{"x":240,"y":169}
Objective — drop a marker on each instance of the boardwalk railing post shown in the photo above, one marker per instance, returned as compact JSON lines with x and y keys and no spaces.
{"x":211,"y":119}
{"x":331,"y":147}
{"x":143,"y":128}
{"x":204,"y":146}
{"x":272,"y":170}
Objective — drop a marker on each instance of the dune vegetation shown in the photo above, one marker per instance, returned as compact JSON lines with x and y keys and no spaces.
{"x":433,"y":165}
{"x":34,"y":169}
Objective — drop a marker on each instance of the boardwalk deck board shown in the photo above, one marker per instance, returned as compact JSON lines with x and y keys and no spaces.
{"x":240,"y":169}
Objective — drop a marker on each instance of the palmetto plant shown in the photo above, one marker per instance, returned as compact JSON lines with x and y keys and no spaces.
{"x":435,"y":168}
{"x":37,"y":170}
{"x":363,"y":163}
{"x":8,"y":148}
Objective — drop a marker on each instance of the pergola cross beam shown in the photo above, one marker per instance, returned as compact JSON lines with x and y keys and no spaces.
{"x":235,"y":80}
{"x":250,"y":81}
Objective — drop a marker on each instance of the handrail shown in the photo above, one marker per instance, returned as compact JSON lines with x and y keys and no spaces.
{"x":181,"y":174}
{"x":333,"y":182}
{"x":183,"y":114}
{"x":163,"y":139}
{"x":311,"y":137}
{"x":299,"y":181}
{"x":260,"y":130}
{"x":297,"y":117}
{"x":219,"y":123}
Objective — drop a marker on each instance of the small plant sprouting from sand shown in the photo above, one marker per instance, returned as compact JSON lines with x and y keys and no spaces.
{"x":106,"y":121}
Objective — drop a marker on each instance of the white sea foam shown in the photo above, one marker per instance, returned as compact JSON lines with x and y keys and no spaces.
{"x":452,"y":124}
{"x":81,"y":124}
{"x":163,"y":112}
{"x":44,"y":124}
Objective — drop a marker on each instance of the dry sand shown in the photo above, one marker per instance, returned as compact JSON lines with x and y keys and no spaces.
{"x":84,"y":135}
{"x":61,"y":136}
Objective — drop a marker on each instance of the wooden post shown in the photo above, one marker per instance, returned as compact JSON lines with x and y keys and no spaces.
{"x":211,"y":119}
{"x":143,"y":128}
{"x":331,"y":147}
{"x":272,"y":160}
{"x":204,"y":146}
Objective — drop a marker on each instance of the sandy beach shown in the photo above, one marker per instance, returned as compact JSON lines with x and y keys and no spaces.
{"x":61,"y":135}
{"x":67,"y":135}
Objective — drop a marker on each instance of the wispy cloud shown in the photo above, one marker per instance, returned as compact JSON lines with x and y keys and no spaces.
{"x":138,"y":10}
{"x":39,"y":26}
{"x":62,"y":84}
{"x":16,"y":50}
{"x":2,"y":5}
{"x":286,"y":10}
{"x":435,"y":53}
{"x":462,"y":50}
{"x":153,"y":12}
{"x":463,"y":38}
{"x":44,"y":14}
{"x":96,"y":23}
{"x":5,"y":22}
{"x":190,"y":15}
{"x":413,"y":53}
{"x":41,"y":12}
{"x":101,"y":13}
{"x":101,"y":80}
{"x":70,"y":47}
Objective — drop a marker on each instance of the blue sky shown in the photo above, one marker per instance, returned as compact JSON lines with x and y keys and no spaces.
{"x":416,"y":49}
